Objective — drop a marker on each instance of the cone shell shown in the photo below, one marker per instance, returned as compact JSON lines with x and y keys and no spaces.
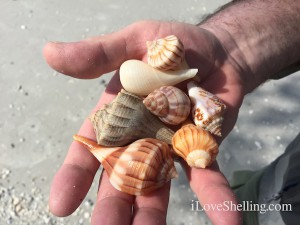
{"x":207,"y":110}
{"x":195,"y":145}
{"x":169,"y":103}
{"x":141,"y":79}
{"x":165,"y":53}
{"x":125,"y":120}
{"x":136,"y":169}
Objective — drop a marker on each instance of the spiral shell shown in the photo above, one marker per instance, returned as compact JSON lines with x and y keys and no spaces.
{"x":208,"y":109}
{"x":169,"y":103}
{"x":166,"y":53}
{"x":136,"y":169}
{"x":195,"y":145}
{"x":126,"y":119}
{"x":141,"y":79}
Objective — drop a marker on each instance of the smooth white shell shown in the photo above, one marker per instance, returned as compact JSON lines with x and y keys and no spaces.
{"x":141,"y":79}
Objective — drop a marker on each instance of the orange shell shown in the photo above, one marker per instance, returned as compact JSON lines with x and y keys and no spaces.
{"x":136,"y":169}
{"x":195,"y":145}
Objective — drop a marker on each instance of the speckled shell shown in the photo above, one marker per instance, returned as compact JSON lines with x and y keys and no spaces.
{"x":169,"y":103}
{"x":207,"y":110}
{"x":141,"y":79}
{"x":126,"y":119}
{"x":166,"y":53}
{"x":195,"y":145}
{"x":136,"y":169}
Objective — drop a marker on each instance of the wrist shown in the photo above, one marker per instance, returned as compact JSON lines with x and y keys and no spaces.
{"x":236,"y":58}
{"x":262,"y":37}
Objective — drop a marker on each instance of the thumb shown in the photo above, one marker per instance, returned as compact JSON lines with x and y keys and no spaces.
{"x":95,"y":56}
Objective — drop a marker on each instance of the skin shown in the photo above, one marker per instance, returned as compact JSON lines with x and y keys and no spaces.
{"x":231,"y":64}
{"x":106,"y":54}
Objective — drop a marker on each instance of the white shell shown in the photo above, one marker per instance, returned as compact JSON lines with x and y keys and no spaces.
{"x":141,"y":79}
{"x":207,"y":110}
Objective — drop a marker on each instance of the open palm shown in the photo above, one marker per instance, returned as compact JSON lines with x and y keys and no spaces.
{"x":95,"y":56}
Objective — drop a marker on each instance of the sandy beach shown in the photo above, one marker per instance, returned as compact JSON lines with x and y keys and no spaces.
{"x":42,"y":109}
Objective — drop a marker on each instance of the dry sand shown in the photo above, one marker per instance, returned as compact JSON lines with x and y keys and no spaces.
{"x":41,"y":109}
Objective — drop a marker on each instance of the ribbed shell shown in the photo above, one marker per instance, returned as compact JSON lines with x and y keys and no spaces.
{"x":169,"y":103}
{"x":126,"y":119}
{"x":195,"y":145}
{"x":207,"y":110}
{"x":165,"y":53}
{"x":136,"y":169}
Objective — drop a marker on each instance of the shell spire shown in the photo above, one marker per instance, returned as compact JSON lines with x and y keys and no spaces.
{"x":169,"y":103}
{"x":195,"y":145}
{"x":126,"y":119}
{"x":208,"y":109}
{"x":141,"y":79}
{"x":136,"y":169}
{"x":166,"y":53}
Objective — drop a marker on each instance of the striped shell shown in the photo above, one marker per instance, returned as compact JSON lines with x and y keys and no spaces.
{"x":165,"y":53}
{"x":169,"y":103}
{"x":207,"y":110}
{"x":195,"y":145}
{"x":136,"y":169}
{"x":125,"y":120}
{"x":141,"y":79}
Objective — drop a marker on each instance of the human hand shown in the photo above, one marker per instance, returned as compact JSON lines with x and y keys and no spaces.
{"x":90,"y":58}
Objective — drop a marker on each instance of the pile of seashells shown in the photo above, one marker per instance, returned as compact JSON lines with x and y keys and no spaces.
{"x":135,"y":143}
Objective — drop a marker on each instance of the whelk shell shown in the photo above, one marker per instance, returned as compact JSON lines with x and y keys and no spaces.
{"x":141,"y":79}
{"x":126,"y":119}
{"x":207,"y":110}
{"x":169,"y":103}
{"x":166,"y":53}
{"x":195,"y":145}
{"x":136,"y":169}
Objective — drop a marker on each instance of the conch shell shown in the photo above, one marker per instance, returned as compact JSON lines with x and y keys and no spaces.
{"x":126,"y":119}
{"x":208,"y":109}
{"x":166,"y":53}
{"x":141,"y":79}
{"x":169,"y":103}
{"x":136,"y":169}
{"x":195,"y":145}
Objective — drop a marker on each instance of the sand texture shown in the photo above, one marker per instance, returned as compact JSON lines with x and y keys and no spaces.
{"x":41,"y":109}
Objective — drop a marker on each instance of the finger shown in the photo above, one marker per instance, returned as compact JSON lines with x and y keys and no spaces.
{"x":113,"y":207}
{"x":214,"y":193}
{"x":73,"y":180}
{"x":95,"y":56}
{"x":151,"y":209}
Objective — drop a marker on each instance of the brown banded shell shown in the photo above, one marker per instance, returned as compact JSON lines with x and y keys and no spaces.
{"x":125,"y":120}
{"x":195,"y":145}
{"x":136,"y":169}
{"x":166,"y":53}
{"x":208,"y":109}
{"x":169,"y":103}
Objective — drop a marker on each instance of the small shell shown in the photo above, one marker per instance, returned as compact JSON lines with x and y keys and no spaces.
{"x":195,"y":145}
{"x":126,"y":119}
{"x":169,"y":103}
{"x":166,"y":53}
{"x":136,"y":169}
{"x":141,"y":79}
{"x":208,"y":109}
